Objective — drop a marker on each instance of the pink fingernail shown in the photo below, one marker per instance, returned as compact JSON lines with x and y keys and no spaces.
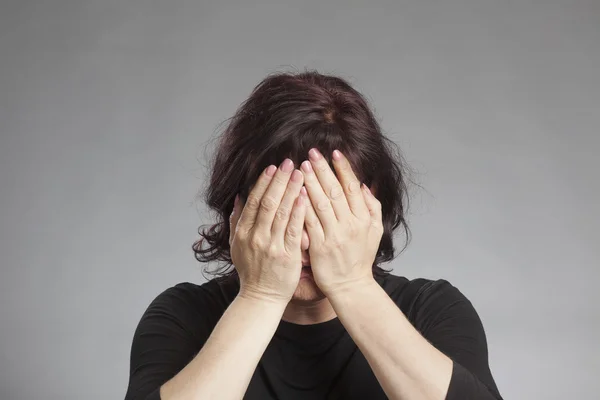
{"x":287,"y":165}
{"x":296,"y":176}
{"x":306,"y":166}
{"x":271,"y":170}
{"x":314,"y":154}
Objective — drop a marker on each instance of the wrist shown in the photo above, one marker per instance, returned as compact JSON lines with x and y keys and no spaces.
{"x":255,"y":297}
{"x":265,"y":312}
{"x":351,"y":289}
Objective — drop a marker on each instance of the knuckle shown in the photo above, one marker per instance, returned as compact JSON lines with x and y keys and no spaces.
{"x":353,"y":186}
{"x":292,"y":232}
{"x":310,"y":220}
{"x":295,"y":215}
{"x":238,"y":234}
{"x":324,"y":205}
{"x":322,"y":167}
{"x":280,"y":179}
{"x":335,"y":242}
{"x":282,"y":214}
{"x":253,"y":202}
{"x":256,"y":242}
{"x":336,"y":192}
{"x":268,"y":204}
{"x":274,"y":251}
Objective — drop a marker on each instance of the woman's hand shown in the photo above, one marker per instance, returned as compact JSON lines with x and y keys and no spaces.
{"x":343,"y":222}
{"x":266,"y":233}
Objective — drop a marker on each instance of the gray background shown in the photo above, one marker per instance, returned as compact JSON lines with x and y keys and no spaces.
{"x":106,"y":106}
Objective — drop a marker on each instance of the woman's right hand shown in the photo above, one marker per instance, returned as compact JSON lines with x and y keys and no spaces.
{"x":265,"y":234}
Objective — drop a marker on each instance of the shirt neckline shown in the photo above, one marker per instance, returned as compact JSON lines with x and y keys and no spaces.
{"x":311,"y":332}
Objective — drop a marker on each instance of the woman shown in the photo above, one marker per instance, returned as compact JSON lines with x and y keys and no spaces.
{"x":302,"y":308}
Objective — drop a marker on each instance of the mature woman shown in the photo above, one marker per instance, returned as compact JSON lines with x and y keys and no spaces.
{"x":308,"y":193}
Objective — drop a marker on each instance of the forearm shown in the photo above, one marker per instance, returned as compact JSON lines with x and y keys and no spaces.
{"x":406,"y":365}
{"x":224,"y":366}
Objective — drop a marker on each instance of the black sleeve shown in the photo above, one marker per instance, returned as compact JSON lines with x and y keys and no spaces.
{"x":165,"y":341}
{"x":448,"y":320}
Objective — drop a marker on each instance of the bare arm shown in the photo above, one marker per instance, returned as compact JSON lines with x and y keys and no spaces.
{"x":265,"y":236}
{"x":451,"y":363}
{"x":345,"y":226}
{"x":405,"y":364}
{"x":224,"y":366}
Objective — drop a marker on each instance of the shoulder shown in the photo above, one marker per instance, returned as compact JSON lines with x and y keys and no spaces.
{"x":192,"y":306}
{"x":417,"y":288}
{"x":213,"y":293}
{"x":423,"y":298}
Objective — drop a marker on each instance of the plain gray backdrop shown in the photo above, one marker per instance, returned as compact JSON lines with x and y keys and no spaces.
{"x":106,"y":107}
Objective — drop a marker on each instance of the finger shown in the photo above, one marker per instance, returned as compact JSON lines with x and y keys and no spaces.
{"x":313,"y":224}
{"x":248,"y":214}
{"x":233,"y":218}
{"x":330,"y":185}
{"x":270,"y":202}
{"x":373,"y":205}
{"x":350,"y":183}
{"x":295,"y":226}
{"x":320,"y":202}
{"x":282,"y":216}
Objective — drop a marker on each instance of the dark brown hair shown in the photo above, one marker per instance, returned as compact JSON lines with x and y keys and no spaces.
{"x":286,"y":115}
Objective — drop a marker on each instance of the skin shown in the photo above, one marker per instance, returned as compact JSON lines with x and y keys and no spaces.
{"x":309,"y":305}
{"x":343,"y":225}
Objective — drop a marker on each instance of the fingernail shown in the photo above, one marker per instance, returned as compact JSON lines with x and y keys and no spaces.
{"x":314,"y":154}
{"x":271,"y":170}
{"x":366,"y":188}
{"x":337,"y":155}
{"x":287,"y":165}
{"x":296,"y":176}
{"x":306,"y":166}
{"x":303,"y":191}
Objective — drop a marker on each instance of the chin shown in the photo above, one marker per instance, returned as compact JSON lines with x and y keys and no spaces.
{"x":307,"y":291}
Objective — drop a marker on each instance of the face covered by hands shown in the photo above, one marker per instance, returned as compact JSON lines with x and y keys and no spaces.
{"x":343,"y":222}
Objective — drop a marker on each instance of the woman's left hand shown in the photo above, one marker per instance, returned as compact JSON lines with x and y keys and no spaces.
{"x":343,"y":222}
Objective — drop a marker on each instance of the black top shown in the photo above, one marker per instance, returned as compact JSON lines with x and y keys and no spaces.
{"x":317,"y":361}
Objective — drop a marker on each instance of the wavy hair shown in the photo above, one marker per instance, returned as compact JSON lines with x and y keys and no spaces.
{"x":285,"y":115}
